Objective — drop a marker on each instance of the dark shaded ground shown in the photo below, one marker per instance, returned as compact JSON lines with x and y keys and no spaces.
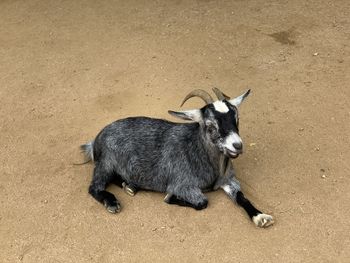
{"x":68,"y":68}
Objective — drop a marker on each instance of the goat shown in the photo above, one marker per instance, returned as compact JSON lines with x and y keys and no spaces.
{"x":182,"y":160}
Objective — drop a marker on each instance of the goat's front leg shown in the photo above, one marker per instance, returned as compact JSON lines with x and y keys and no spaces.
{"x":232,"y":188}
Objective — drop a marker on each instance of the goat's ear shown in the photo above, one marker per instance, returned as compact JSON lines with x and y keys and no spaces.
{"x":237,"y":101}
{"x":188,"y":115}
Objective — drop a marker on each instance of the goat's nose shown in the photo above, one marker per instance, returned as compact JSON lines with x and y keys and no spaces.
{"x":238,"y":146}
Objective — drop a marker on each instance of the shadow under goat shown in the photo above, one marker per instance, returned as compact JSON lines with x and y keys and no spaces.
{"x":182,"y":160}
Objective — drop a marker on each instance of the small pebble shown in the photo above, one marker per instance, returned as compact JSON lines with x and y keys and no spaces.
{"x":315,"y":54}
{"x":323,"y":176}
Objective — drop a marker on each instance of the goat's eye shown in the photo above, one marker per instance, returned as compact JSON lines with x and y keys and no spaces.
{"x":211,"y":128}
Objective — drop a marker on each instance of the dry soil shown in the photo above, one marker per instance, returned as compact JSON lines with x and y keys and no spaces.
{"x":68,"y":68}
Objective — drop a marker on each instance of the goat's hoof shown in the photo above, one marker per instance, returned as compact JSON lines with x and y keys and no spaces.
{"x":113,"y":208}
{"x":202,"y":205}
{"x":130,"y":190}
{"x":263,"y":220}
{"x":167,"y":198}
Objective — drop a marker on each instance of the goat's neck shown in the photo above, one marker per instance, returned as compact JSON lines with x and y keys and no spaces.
{"x":218,"y":160}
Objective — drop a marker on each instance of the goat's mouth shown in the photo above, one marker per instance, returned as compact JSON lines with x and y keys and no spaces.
{"x":232,"y":154}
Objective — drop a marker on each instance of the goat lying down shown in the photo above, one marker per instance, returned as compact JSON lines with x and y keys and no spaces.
{"x":182,"y":160}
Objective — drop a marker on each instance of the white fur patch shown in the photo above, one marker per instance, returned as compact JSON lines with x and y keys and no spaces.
{"x":220,"y":106}
{"x":231,"y":139}
{"x":226,"y":188}
{"x":263,"y":220}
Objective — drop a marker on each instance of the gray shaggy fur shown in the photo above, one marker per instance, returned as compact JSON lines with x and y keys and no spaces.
{"x":158,"y":155}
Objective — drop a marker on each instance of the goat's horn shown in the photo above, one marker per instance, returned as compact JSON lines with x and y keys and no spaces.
{"x":220,"y":94}
{"x":205,"y":96}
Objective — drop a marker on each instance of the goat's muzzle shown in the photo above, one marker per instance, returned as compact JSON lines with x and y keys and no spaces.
{"x":234,"y":154}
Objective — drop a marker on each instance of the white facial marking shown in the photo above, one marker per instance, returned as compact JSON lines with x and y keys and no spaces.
{"x":220,"y":106}
{"x":263,"y":220}
{"x":231,"y":139}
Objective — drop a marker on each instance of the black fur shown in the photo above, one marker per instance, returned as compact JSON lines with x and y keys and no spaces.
{"x":245,"y":203}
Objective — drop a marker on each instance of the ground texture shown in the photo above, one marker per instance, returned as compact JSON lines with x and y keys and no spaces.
{"x":68,"y":68}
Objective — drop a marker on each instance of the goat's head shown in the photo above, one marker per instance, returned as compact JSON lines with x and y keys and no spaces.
{"x":219,"y":120}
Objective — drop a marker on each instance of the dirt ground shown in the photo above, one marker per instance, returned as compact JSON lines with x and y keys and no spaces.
{"x":68,"y":68}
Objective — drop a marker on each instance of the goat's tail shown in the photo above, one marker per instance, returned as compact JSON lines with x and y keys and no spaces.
{"x":88,"y":151}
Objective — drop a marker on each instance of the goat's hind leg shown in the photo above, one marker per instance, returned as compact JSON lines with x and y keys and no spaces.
{"x":190,"y":196}
{"x":97,"y":189}
{"x":128,"y":188}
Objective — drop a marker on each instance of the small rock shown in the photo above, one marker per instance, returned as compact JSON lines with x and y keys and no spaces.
{"x":323,"y":176}
{"x":317,"y":149}
{"x":252,"y":144}
{"x":315,"y":54}
{"x":301,"y":129}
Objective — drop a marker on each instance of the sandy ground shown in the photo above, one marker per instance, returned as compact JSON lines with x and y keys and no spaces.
{"x":68,"y":68}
